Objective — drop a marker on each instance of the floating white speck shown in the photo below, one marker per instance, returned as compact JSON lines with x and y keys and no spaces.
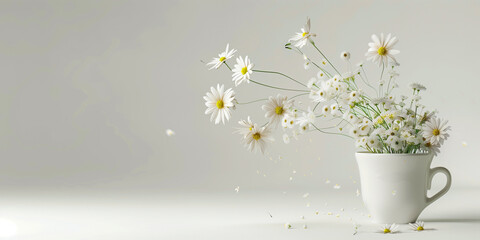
{"x":170,"y":132}
{"x":284,"y":193}
{"x":305,"y":226}
{"x":327,"y":181}
{"x":338,"y":215}
{"x":342,"y":209}
{"x":357,"y":193}
{"x":264,"y":175}
{"x":258,"y":172}
{"x":337,"y":186}
{"x":237,"y":189}
{"x":291,"y":178}
{"x":302,"y":217}
{"x":288,"y":226}
{"x":294,"y":171}
{"x":394,"y":193}
{"x":464,"y":144}
{"x":306,"y":195}
{"x":369,"y":215}
{"x":308,"y":205}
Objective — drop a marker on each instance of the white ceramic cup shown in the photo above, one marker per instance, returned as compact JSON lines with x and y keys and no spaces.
{"x":394,"y":186}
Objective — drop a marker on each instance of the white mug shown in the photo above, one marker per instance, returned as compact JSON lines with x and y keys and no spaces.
{"x":394,"y":186}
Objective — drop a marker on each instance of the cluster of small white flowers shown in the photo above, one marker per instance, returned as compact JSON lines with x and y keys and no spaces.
{"x":379,"y":123}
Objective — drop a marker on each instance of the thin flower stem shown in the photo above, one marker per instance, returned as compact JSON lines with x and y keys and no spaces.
{"x":279,"y":88}
{"x":263,"y":99}
{"x":318,"y":129}
{"x":298,"y":95}
{"x":316,"y":65}
{"x":316,"y":106}
{"x":279,"y":73}
{"x":325,"y":58}
{"x":227,"y":65}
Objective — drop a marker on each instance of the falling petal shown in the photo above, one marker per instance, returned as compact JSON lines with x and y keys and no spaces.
{"x":237,"y":189}
{"x":464,"y":144}
{"x":394,"y":193}
{"x":306,"y":195}
{"x":304,"y":226}
{"x":337,"y":186}
{"x":327,"y":181}
{"x":358,"y":192}
{"x":170,"y":132}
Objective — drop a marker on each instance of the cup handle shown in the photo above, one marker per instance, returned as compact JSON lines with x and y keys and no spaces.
{"x":445,"y":189}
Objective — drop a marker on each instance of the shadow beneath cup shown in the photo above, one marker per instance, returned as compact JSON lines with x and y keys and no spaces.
{"x":459,"y":220}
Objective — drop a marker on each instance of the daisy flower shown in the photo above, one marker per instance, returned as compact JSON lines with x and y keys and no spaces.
{"x":435,"y":131}
{"x":276,"y":108}
{"x":381,"y":51}
{"x":417,"y":86}
{"x":417,"y":226}
{"x":258,"y":138}
{"x":219,"y":103}
{"x":222,"y":57}
{"x":301,"y":38}
{"x":242,"y":70}
{"x":286,"y":138}
{"x":246,"y":126}
{"x":387,"y":228}
{"x":307,"y":118}
{"x":345,"y":56}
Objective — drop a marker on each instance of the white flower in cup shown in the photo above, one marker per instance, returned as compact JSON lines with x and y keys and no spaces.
{"x":258,"y":138}
{"x":321,"y":75}
{"x":307,"y":118}
{"x":345,"y":55}
{"x":222,"y":57}
{"x":300,"y":39}
{"x":277,"y":108}
{"x":381,"y":50}
{"x":242,"y":70}
{"x":219,"y":103}
{"x":417,"y":87}
{"x":417,"y":226}
{"x":435,"y":131}
{"x":389,"y":228}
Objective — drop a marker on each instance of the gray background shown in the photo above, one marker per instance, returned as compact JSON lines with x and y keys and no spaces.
{"x":88,"y":89}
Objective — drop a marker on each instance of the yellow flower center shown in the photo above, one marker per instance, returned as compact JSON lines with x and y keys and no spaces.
{"x":436,"y":132}
{"x":250,"y":129}
{"x":220,"y":104}
{"x":222,"y":59}
{"x":256,"y":136}
{"x":279,"y":110}
{"x":305,"y":33}
{"x":386,"y":230}
{"x":382,"y":51}
{"x":244,"y":70}
{"x":419,"y":228}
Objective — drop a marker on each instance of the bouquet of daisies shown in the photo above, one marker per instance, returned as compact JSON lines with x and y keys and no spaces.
{"x":378,"y":122}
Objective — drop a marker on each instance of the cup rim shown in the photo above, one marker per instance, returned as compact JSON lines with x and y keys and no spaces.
{"x":393,"y":154}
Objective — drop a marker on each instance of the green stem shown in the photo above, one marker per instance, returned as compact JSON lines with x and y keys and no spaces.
{"x":263,"y":99}
{"x":279,"y":73}
{"x":325,"y":58}
{"x":279,"y":88}
{"x":227,"y":65}
{"x":341,"y":134}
